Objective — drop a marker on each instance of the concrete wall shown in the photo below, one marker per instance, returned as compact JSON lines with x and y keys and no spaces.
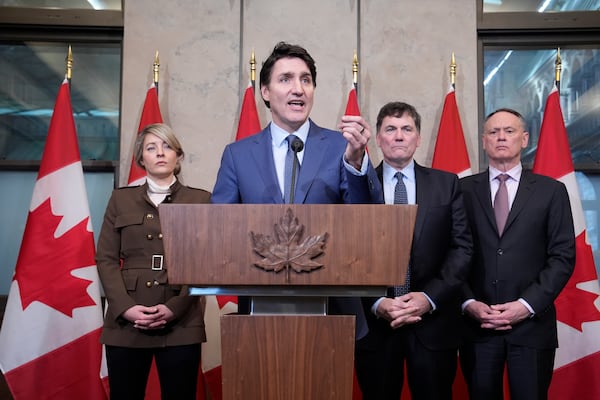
{"x":404,"y":50}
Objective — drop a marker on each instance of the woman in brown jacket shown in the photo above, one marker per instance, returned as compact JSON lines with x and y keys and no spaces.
{"x":146,"y":317}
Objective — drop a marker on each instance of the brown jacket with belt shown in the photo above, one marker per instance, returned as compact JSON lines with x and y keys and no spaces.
{"x":133,"y":271}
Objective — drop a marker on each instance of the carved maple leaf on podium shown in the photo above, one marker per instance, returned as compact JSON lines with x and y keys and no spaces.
{"x":287,"y":251}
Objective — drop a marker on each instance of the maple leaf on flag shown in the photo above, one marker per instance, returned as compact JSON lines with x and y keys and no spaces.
{"x":553,"y":158}
{"x":57,"y":257}
{"x":571,"y":294}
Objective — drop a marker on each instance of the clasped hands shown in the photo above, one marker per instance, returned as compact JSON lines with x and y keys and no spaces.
{"x":404,"y":310}
{"x":499,"y":317}
{"x":149,"y":318}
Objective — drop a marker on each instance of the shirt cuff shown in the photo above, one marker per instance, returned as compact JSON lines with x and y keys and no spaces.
{"x":375,"y":305}
{"x":526,"y":304}
{"x":363,"y":168}
{"x":465,"y":304}
{"x":433,"y":307}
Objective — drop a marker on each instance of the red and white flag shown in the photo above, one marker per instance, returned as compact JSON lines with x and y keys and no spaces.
{"x":577,"y":362}
{"x":50,"y":338}
{"x":451,"y":155}
{"x":249,"y":124}
{"x":450,"y":152}
{"x":216,"y":306}
{"x":352,"y":107}
{"x":137,"y":176}
{"x":150,"y":115}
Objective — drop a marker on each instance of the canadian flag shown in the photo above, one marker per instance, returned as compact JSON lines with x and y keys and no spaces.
{"x":352,"y":108}
{"x":352,"y":104}
{"x":137,"y":176}
{"x":577,"y":362}
{"x":450,"y":152}
{"x":216,"y":306}
{"x":150,"y":115}
{"x":249,"y":123}
{"x":49,"y":342}
{"x":451,"y":155}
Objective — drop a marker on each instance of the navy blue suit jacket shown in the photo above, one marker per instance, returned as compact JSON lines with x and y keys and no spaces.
{"x":247,"y":173}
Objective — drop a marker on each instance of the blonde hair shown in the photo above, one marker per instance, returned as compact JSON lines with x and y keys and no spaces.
{"x":164,"y":132}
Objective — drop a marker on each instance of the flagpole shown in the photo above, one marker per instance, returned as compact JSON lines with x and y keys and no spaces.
{"x":69,"y":66}
{"x":557,"y":69}
{"x":253,"y":70}
{"x":155,"y":67}
{"x":355,"y":72}
{"x":453,"y":71}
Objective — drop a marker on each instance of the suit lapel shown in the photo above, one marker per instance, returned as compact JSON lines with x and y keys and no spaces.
{"x":422,"y":190}
{"x":524,"y":192}
{"x":315,"y":149}
{"x":262,"y":155}
{"x":484,"y":196}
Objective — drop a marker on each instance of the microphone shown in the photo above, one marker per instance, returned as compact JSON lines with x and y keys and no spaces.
{"x":296,"y":146}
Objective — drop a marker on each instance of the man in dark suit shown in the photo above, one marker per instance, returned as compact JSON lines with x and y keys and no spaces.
{"x":521,"y":262}
{"x":421,"y":325}
{"x":334,"y":167}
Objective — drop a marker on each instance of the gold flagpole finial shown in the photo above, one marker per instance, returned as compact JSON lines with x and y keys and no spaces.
{"x":69,"y":62}
{"x":155,"y":68}
{"x":252,"y":67}
{"x":453,"y":70}
{"x":557,"y":66}
{"x":355,"y":69}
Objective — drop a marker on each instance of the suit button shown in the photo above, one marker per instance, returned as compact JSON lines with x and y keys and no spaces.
{"x":149,"y":236}
{"x":148,"y":284}
{"x":156,"y":283}
{"x":500,"y":252}
{"x":150,"y":216}
{"x":160,"y":236}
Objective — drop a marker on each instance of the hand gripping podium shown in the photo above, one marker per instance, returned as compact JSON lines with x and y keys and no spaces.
{"x":289,"y":259}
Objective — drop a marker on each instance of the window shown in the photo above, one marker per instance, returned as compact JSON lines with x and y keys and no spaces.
{"x":32,"y":74}
{"x":518,"y":42}
{"x":33,"y":46}
{"x":522,"y":79}
{"x":540,"y":6}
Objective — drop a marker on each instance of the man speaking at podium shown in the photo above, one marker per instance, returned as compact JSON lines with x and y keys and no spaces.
{"x":324,"y":166}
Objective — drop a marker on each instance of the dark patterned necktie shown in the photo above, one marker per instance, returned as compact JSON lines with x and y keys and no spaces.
{"x":501,"y":203}
{"x":289,"y":164}
{"x":400,"y":197}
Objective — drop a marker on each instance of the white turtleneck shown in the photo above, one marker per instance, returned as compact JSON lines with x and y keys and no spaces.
{"x":158,"y":193}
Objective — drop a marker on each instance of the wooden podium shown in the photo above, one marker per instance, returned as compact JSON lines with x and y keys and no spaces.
{"x":289,"y":258}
